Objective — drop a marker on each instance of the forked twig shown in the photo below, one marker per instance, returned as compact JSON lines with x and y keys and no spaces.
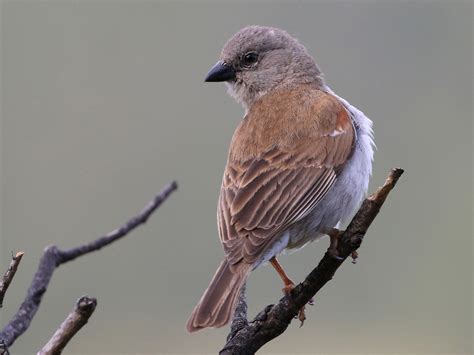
{"x":53,"y":257}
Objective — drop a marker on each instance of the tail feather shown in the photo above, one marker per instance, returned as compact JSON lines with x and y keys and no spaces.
{"x":218,"y":302}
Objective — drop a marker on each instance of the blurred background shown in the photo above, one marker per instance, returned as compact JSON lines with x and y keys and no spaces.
{"x":103,"y":103}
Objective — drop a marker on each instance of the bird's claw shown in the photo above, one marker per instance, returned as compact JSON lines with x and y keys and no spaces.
{"x":301,"y":316}
{"x":301,"y":313}
{"x":334,"y":235}
{"x":335,"y":254}
{"x":354,"y":256}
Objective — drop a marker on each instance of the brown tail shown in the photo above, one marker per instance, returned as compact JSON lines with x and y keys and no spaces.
{"x":218,"y":302}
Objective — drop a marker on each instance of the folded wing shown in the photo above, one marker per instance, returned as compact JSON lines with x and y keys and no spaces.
{"x":281,"y":165}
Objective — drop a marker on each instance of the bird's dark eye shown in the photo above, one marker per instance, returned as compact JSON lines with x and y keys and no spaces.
{"x":249,"y":58}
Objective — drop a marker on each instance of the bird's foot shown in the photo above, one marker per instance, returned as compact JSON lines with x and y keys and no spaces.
{"x":301,"y":313}
{"x":301,"y":316}
{"x":354,"y":256}
{"x":289,"y":286}
{"x":334,"y":235}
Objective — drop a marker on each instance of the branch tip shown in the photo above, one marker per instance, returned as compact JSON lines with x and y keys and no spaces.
{"x":86,"y":305}
{"x":78,"y":317}
{"x":382,"y":192}
{"x":19,"y":255}
{"x":9,"y":274}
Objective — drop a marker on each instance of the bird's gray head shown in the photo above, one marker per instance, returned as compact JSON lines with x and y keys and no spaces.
{"x":259,"y":59}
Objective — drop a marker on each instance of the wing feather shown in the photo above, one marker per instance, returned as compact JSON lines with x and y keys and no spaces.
{"x":268,"y":187}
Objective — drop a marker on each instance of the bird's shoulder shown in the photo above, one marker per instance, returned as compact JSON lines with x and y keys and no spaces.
{"x":293,"y":118}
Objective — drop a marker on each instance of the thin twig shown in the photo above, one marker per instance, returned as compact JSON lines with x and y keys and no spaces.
{"x":53,"y":257}
{"x":9,"y":274}
{"x":274,"y":319}
{"x":78,"y":317}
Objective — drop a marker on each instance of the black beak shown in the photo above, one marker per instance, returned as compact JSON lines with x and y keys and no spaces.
{"x":220,"y":72}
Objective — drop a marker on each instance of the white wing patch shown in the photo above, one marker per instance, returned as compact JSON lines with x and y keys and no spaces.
{"x":335,"y":133}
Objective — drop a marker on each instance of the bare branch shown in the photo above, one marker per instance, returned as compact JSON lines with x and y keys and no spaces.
{"x":239,"y":319}
{"x":78,"y":317}
{"x":274,"y":319}
{"x":53,"y":257}
{"x":9,"y":274}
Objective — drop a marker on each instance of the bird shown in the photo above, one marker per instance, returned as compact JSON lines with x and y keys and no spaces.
{"x":298,"y":166}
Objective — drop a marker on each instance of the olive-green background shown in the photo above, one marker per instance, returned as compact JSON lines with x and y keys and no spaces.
{"x":104,"y":102}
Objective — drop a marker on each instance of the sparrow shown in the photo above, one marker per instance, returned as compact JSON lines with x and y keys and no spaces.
{"x":299,"y":163}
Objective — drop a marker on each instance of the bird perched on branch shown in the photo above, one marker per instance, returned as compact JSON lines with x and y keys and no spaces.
{"x":299,"y":163}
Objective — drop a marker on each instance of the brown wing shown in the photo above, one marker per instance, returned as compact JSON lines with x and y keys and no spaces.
{"x":283,"y":159}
